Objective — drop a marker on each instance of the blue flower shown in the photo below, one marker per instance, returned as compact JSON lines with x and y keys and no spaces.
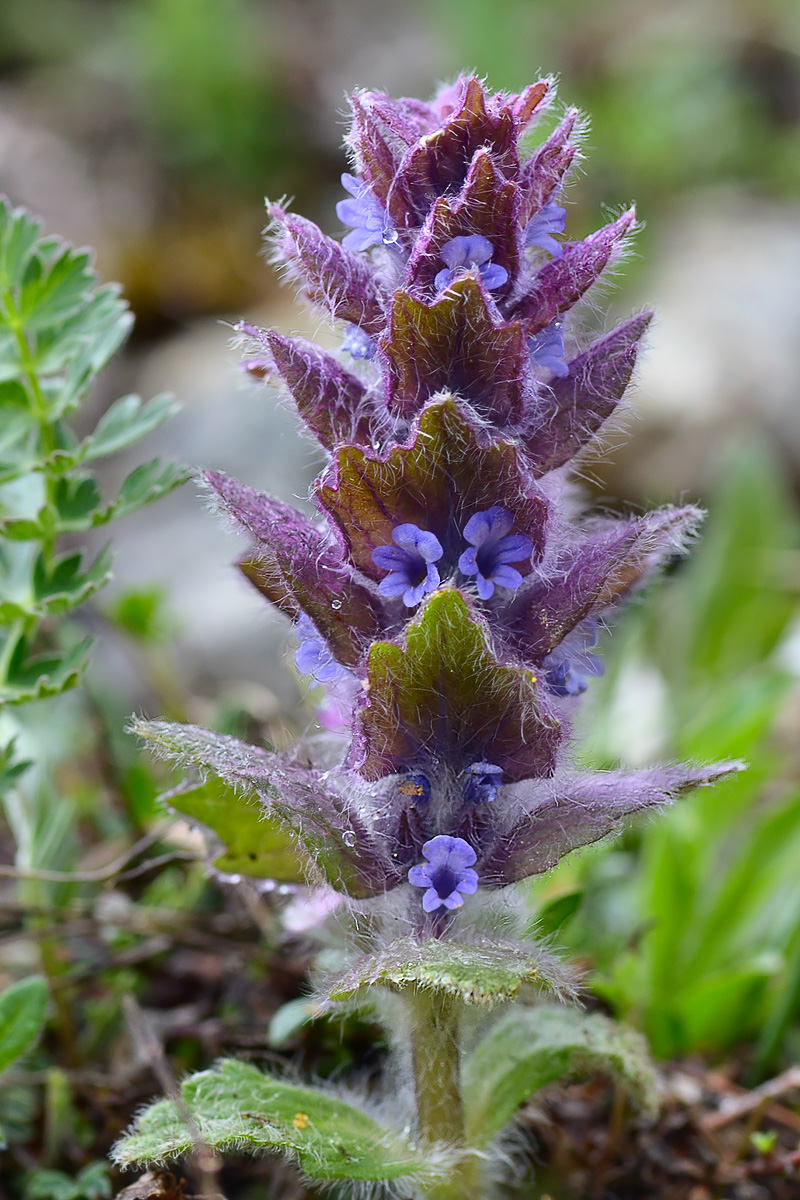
{"x":546,"y":349}
{"x":313,"y":656}
{"x":466,"y":254}
{"x":447,"y":874}
{"x":416,"y":787}
{"x":370,"y":221}
{"x":565,"y":671}
{"x":410,"y":563}
{"x":541,"y":227}
{"x":493,"y":548}
{"x":481,"y":781}
{"x":357,"y":343}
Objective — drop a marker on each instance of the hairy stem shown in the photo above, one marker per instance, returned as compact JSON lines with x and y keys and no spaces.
{"x":435,"y":1063}
{"x":435,"y":1060}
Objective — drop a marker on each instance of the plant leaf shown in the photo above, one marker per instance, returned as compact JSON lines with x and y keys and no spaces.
{"x":254,"y":845}
{"x":22,"y":1014}
{"x":437,"y":481}
{"x":325,"y":823}
{"x":60,"y":588}
{"x":125,"y":422}
{"x":34,"y":676}
{"x":236,"y":1107}
{"x":530,"y":1047}
{"x":480,"y":972}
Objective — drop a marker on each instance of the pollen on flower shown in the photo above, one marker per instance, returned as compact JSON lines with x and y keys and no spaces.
{"x":416,"y":787}
{"x":493,"y":548}
{"x":300,"y":1120}
{"x":409,"y":563}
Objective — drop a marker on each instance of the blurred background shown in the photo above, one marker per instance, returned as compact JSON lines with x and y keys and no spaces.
{"x":152,"y":130}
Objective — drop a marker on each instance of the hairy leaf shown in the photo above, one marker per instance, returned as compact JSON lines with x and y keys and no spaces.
{"x":236,"y":1107}
{"x":444,"y":475}
{"x":485,"y":972}
{"x":530,"y":1047}
{"x":324,"y":822}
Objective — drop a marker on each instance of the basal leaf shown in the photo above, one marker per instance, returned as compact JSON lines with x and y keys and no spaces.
{"x":236,"y":1107}
{"x":530,"y":1047}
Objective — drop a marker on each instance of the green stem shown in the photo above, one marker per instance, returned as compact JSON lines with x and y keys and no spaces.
{"x":435,"y":1062}
{"x":435,"y":1059}
{"x":47,"y":439}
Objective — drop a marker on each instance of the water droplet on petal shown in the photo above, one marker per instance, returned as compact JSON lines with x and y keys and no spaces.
{"x":349,"y":838}
{"x":389,"y":236}
{"x":337,"y":604}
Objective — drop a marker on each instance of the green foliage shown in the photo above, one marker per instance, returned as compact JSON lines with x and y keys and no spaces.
{"x":207,"y":87}
{"x":58,"y":329}
{"x":694,"y":926}
{"x":255,"y":845}
{"x":527,"y":1048}
{"x":23,"y":1007}
{"x":91,"y":1183}
{"x":236,"y":1107}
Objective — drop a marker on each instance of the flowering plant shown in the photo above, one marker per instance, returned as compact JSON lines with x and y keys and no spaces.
{"x":450,"y":590}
